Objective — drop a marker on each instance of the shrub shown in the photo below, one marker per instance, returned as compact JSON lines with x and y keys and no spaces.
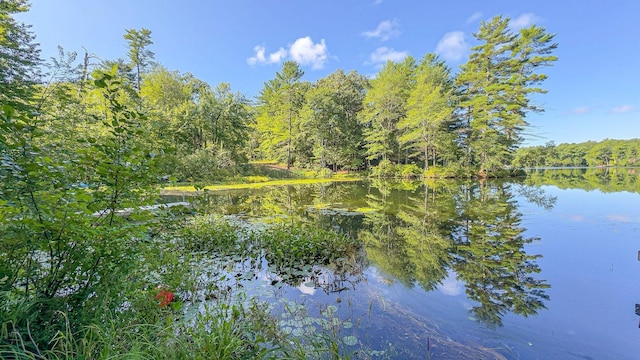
{"x":385,"y":169}
{"x":445,"y":172}
{"x":409,"y":171}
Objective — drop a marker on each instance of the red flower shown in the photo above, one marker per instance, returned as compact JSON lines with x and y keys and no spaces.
{"x":165,"y":297}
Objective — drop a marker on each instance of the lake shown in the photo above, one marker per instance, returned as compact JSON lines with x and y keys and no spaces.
{"x":541,"y":268}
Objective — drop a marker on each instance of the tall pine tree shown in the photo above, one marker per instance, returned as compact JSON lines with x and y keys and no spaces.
{"x":384,"y":106}
{"x":495,"y":86}
{"x":426,"y":128}
{"x":279,"y":105}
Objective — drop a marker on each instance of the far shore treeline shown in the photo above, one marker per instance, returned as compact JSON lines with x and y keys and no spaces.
{"x":590,"y":153}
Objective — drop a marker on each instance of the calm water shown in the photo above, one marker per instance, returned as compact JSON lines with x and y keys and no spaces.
{"x":545,"y":268}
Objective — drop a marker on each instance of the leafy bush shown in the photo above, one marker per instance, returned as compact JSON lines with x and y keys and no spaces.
{"x":445,"y":172}
{"x":322,"y":173}
{"x":385,"y":169}
{"x":256,"y":179}
{"x":409,"y":171}
{"x":65,"y":247}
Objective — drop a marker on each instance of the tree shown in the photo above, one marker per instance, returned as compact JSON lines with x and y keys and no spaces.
{"x":63,"y":248}
{"x":140,"y":57}
{"x":19,"y":57}
{"x":330,"y":119}
{"x":169,"y":98}
{"x":279,"y":105}
{"x":495,"y":87}
{"x":384,"y":106}
{"x":426,"y":127}
{"x":226,"y":117}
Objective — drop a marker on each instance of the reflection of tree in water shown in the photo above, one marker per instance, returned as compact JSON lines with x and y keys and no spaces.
{"x":415,"y":233}
{"x":409,"y":236}
{"x":426,"y":228}
{"x":489,"y":255}
{"x":604,"y":179}
{"x":379,"y":235}
{"x":474,"y":229}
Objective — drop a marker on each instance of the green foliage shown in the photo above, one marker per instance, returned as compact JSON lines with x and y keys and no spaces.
{"x":19,"y":57}
{"x":429,"y":118}
{"x":140,"y":57}
{"x":602,"y":153}
{"x":293,"y":250}
{"x":330,"y":120}
{"x":64,"y":248}
{"x":495,"y":87}
{"x":278,"y":118}
{"x":203,"y":165}
{"x":385,"y":104}
{"x":446,"y":172}
{"x":409,"y":171}
{"x":385,"y":169}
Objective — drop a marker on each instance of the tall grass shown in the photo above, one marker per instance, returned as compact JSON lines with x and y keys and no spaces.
{"x":195,"y":325}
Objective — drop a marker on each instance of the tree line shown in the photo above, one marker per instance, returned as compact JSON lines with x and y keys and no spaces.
{"x":414,"y":115}
{"x":608,"y":152}
{"x":413,"y":112}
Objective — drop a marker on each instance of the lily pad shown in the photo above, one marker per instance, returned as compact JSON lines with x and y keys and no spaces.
{"x":350,"y":340}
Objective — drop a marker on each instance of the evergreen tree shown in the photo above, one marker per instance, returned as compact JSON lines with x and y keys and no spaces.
{"x":140,"y":57}
{"x":278,"y":119}
{"x":495,"y":85}
{"x":429,"y":116}
{"x":19,"y":57}
{"x":384,"y":106}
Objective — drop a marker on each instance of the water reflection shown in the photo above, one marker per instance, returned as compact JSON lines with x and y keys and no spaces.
{"x":432,"y":235}
{"x":605,"y":179}
{"x":472,"y":230}
{"x":489,"y":254}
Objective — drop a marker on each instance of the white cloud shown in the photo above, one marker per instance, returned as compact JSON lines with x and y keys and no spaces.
{"x":383,"y":54}
{"x":475,"y":17}
{"x":580,"y":110}
{"x":522,"y":21}
{"x":618,"y":218}
{"x":277,"y":56}
{"x":386,"y":30}
{"x":452,"y":46}
{"x":305,"y":52}
{"x":623,"y":109}
{"x":377,"y":2}
{"x":260,"y":58}
{"x":451,"y":286}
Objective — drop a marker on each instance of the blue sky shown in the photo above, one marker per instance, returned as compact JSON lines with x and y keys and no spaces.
{"x":593,"y":88}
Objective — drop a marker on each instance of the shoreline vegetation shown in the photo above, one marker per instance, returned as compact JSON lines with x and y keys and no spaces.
{"x":179,"y":189}
{"x":260,"y":182}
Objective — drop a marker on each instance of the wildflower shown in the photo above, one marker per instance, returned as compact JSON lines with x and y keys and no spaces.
{"x":165,"y":296}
